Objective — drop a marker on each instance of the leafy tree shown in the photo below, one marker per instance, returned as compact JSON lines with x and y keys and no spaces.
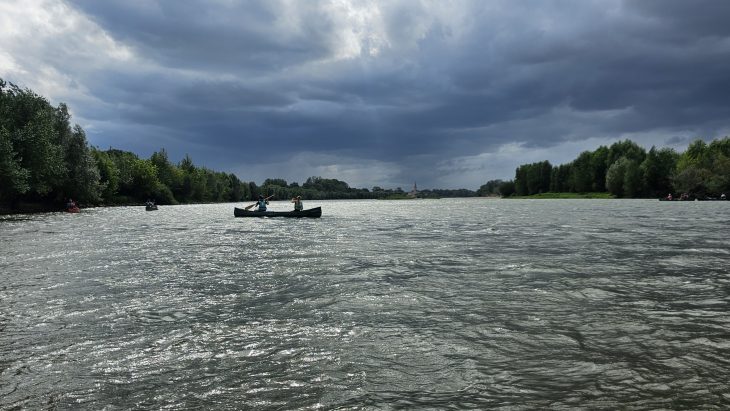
{"x":702,"y":170}
{"x":40,"y":156}
{"x":657,"y":169}
{"x":13,"y":176}
{"x":719,"y":182}
{"x":186,"y":164}
{"x":691,"y":180}
{"x":169,"y":175}
{"x":533,"y":178}
{"x":108,"y":176}
{"x":521,"y":188}
{"x":599,"y":167}
{"x":581,"y":173}
{"x":507,"y":188}
{"x":633,"y":182}
{"x":627,"y":149}
{"x":83,"y":179}
{"x":490,"y":188}
{"x":144,"y":179}
{"x":615,"y":177}
{"x":325,"y":184}
{"x":560,"y":178}
{"x":275,"y":182}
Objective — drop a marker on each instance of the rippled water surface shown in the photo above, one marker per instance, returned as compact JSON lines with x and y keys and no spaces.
{"x":470,"y":303}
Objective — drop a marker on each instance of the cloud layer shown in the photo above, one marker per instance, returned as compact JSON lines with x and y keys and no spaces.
{"x":446,"y":93}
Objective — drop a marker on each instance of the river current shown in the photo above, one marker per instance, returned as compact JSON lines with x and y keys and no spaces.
{"x":421,"y":304}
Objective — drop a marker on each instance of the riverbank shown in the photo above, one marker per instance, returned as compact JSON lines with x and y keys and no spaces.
{"x":566,"y":196}
{"x":29,"y":208}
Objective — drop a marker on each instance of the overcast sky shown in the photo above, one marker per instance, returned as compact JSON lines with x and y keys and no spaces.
{"x":449,"y":94}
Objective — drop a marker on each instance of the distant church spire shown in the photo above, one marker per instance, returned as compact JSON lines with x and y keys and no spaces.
{"x":414,"y":192}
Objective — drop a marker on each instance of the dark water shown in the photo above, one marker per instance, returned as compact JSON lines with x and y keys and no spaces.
{"x":427,"y":304}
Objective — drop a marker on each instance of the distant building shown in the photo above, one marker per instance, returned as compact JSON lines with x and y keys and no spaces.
{"x":413,"y":193}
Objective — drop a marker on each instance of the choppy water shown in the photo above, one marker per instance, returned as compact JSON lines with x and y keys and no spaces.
{"x":426,"y":304}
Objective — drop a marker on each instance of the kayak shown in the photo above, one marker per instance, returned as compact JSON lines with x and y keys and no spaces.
{"x":312,"y":213}
{"x":73,"y":209}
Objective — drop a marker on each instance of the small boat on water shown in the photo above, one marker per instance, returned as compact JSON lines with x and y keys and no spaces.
{"x":312,"y":213}
{"x":73,"y":209}
{"x":150,"y":207}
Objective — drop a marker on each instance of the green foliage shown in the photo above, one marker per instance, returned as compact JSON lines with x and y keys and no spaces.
{"x":84,"y":178}
{"x":580,"y":179}
{"x":490,"y":188}
{"x":704,"y":169}
{"x":325,"y":184}
{"x":627,"y":149}
{"x":12,"y":174}
{"x":126,"y":178}
{"x":108,"y":175}
{"x":591,"y":195}
{"x":41,"y":158}
{"x":692,"y":180}
{"x":623,"y":178}
{"x":275,"y":182}
{"x":533,"y":178}
{"x":599,"y":167}
{"x":626,"y":170}
{"x":615,"y":177}
{"x":632,"y":179}
{"x":507,"y":188}
{"x":657,"y":170}
{"x":445,"y":193}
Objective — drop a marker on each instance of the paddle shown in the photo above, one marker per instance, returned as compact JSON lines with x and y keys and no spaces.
{"x":248,"y":207}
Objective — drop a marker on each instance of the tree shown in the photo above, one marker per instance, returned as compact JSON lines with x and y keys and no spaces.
{"x":144,"y":179}
{"x":581,"y":173}
{"x":84,"y":179}
{"x":657,"y":169}
{"x":623,"y":178}
{"x":490,"y":188}
{"x":627,"y":149}
{"x":560,"y":178}
{"x":275,"y":182}
{"x":13,"y":176}
{"x":692,"y":180}
{"x":169,"y":175}
{"x":599,"y":167}
{"x":521,"y":181}
{"x":633,"y":182}
{"x":507,"y":188}
{"x":108,"y":176}
{"x":615,"y":177}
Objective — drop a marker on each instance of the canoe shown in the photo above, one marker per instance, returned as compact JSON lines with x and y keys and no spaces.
{"x":73,"y":209}
{"x":150,"y":207}
{"x":312,"y":212}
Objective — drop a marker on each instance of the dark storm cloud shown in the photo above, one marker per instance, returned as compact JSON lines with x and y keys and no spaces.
{"x":409,"y":84}
{"x":208,"y":35}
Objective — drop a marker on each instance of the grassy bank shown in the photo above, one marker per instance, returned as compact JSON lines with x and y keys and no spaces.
{"x":567,"y":196}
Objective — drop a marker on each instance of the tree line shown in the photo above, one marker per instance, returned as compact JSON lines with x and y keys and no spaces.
{"x":44,"y":161}
{"x":627,"y":170}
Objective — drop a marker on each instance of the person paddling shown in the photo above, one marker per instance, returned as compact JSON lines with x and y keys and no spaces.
{"x":298,"y":205}
{"x":262,"y":203}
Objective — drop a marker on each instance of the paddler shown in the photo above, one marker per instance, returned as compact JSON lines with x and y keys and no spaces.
{"x":262,"y":203}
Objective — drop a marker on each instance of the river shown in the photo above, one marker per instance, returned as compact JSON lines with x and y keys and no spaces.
{"x":420,"y":304}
